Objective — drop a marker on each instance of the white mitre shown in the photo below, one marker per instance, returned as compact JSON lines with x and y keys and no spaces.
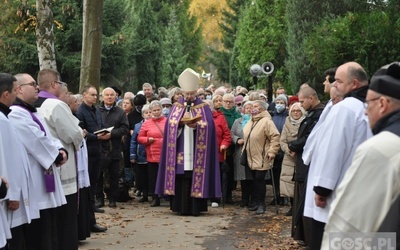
{"x":189,"y":80}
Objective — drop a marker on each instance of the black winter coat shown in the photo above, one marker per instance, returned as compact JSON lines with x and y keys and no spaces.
{"x":114,"y":117}
{"x":306,"y":126}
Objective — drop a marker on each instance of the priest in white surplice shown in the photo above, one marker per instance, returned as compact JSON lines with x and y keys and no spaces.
{"x":44,"y":154}
{"x":63,"y":125}
{"x":368,"y":198}
{"x":344,"y":128}
{"x":22,"y":188}
{"x":7,"y":96}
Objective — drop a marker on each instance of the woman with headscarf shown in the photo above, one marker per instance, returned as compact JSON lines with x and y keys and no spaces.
{"x":289,"y":133}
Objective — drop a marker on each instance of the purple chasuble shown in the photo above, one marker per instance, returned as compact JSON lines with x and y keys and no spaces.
{"x":206,"y":175}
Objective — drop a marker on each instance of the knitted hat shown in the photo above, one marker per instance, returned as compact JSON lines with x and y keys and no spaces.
{"x":238,"y":99}
{"x":293,"y":99}
{"x":282,"y":97}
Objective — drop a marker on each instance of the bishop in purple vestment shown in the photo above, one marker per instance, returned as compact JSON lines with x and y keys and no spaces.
{"x":189,"y":167}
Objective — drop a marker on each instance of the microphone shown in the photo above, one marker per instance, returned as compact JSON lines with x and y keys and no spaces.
{"x":189,"y":103}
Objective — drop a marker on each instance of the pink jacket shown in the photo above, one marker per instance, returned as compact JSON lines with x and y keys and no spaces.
{"x":150,"y":129}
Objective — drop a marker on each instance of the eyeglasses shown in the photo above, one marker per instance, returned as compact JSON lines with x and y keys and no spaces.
{"x":366,"y":103}
{"x":62,"y":83}
{"x":33,"y":84}
{"x":296,"y":111}
{"x":226,"y":101}
{"x":238,"y":104}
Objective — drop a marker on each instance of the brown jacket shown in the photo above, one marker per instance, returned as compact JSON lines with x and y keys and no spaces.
{"x":264,"y":134}
{"x":289,"y":133}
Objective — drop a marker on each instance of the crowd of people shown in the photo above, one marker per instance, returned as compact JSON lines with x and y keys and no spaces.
{"x":63,"y":156}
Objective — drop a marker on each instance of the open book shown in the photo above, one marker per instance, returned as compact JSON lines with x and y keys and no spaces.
{"x":104,"y":130}
{"x":191,"y":120}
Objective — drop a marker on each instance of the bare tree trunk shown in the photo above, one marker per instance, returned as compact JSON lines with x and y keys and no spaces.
{"x":91,"y":42}
{"x":45,"y":35}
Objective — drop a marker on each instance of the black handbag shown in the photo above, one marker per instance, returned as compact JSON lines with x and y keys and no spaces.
{"x":243,"y":157}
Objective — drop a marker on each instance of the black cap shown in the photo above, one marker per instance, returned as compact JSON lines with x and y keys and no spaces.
{"x":386,"y":80}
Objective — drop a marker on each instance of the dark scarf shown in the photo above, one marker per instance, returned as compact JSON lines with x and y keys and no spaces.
{"x":360,"y":93}
{"x":26,"y":105}
{"x":390,"y":122}
{"x":4,"y":109}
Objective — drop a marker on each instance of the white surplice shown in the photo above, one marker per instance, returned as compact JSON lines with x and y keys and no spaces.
{"x":22,"y":186}
{"x":5,"y":232}
{"x":368,"y":189}
{"x":345,"y":127}
{"x":42,"y":150}
{"x":64,"y":126}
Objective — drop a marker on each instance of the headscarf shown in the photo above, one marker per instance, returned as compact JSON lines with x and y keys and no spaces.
{"x":298,"y":121}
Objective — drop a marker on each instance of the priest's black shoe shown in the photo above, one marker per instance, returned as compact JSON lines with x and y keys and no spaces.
{"x":97,"y":229}
{"x":112,"y":204}
{"x":155,"y":203}
{"x":98,"y":210}
{"x":99,"y":203}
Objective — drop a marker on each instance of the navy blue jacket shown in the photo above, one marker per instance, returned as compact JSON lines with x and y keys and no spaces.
{"x":91,"y":121}
{"x":137,"y":151}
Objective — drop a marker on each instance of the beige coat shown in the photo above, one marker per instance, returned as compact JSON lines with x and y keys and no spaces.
{"x":289,"y":133}
{"x":263,"y":133}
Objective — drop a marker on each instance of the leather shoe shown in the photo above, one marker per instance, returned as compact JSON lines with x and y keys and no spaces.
{"x":98,"y":210}
{"x":112,"y":204}
{"x":155,"y":203}
{"x":144,"y":199}
{"x":260,"y":209}
{"x":99,"y":203}
{"x":97,"y":229}
{"x":253,"y":208}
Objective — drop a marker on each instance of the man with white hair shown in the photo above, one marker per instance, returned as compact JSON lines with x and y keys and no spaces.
{"x":128,"y":95}
{"x":113,"y":116}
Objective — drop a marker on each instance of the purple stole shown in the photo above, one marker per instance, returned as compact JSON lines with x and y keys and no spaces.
{"x":174,"y":156}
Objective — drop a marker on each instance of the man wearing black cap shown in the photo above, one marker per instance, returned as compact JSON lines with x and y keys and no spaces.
{"x":368,"y":198}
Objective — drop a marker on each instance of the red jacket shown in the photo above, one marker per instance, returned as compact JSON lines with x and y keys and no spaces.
{"x":150,"y":129}
{"x":222,"y":131}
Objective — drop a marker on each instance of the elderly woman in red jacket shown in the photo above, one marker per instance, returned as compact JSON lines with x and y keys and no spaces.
{"x":223,"y":132}
{"x":151,"y":136}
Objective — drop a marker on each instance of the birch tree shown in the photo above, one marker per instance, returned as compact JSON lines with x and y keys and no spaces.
{"x":45,"y":35}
